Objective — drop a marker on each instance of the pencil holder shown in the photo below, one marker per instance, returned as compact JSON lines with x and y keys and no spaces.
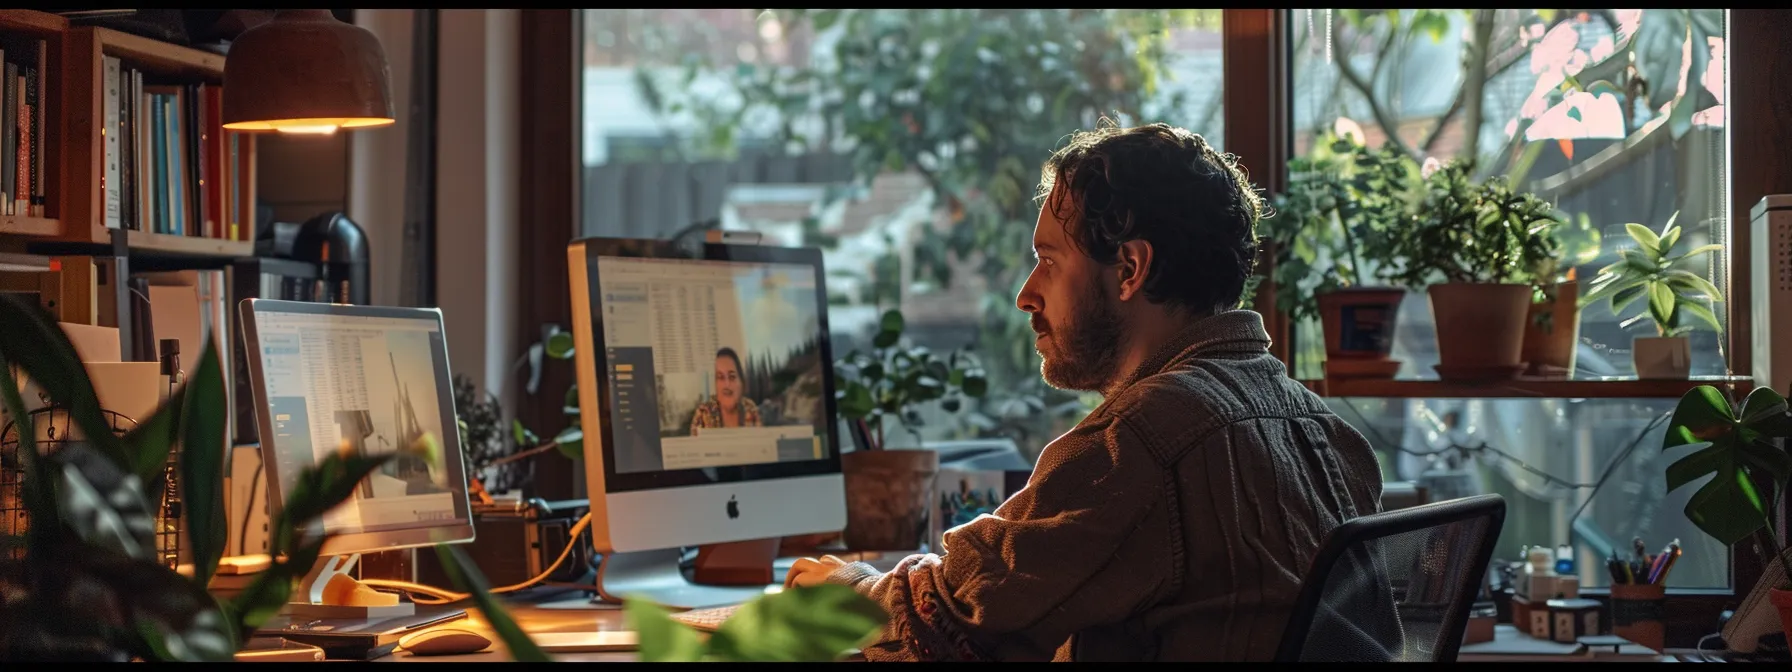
{"x":1636,"y":613}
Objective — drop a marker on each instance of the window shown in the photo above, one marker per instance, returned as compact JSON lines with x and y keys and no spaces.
{"x":1616,"y":116}
{"x":905,"y":143}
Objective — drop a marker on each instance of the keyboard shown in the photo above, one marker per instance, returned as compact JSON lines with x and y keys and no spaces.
{"x":706,"y":620}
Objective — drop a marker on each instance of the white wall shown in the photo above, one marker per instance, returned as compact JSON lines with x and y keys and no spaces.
{"x":377,"y":159}
{"x":476,"y":183}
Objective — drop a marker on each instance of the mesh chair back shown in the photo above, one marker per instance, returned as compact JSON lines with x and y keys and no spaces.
{"x":1396,"y":586}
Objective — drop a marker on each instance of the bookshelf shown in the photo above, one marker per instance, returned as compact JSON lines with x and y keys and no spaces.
{"x":87,"y":50}
{"x":102,"y":205}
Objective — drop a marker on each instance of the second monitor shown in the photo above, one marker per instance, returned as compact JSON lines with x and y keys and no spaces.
{"x":706,"y":392}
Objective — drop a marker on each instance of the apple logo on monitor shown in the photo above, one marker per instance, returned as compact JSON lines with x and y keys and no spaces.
{"x":733,"y":507}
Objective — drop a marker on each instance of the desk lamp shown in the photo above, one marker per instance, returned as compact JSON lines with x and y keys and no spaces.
{"x":306,"y":72}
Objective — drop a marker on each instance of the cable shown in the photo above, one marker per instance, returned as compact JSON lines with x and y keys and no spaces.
{"x":444,"y":596}
{"x":1376,"y":435}
{"x":1612,"y":467}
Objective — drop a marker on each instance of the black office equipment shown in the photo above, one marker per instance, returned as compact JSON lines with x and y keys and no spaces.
{"x":339,"y":247}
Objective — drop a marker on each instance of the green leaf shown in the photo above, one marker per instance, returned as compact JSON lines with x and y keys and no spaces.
{"x":1701,"y":463}
{"x":32,"y":341}
{"x":1699,"y":311}
{"x":1661,"y":303}
{"x":270,"y":590}
{"x":1728,"y":508}
{"x":105,"y":505}
{"x":38,"y":492}
{"x":976,"y":384}
{"x":559,"y":345}
{"x":1626,"y":296}
{"x":855,"y":401}
{"x":1764,"y":410}
{"x":571,"y":442}
{"x":202,"y":463}
{"x":1692,"y":283}
{"x":149,"y":443}
{"x":1703,"y":413}
{"x":812,"y":624}
{"x":317,"y":490}
{"x":467,"y":579}
{"x":891,"y":322}
{"x":1645,"y":238}
{"x":662,"y":640}
{"x":174,"y":616}
{"x":885,"y":339}
{"x":1668,"y":239}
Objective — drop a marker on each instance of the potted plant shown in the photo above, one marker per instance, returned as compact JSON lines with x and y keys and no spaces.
{"x":888,"y":492}
{"x":82,"y":582}
{"x":1650,"y":272}
{"x":1477,"y":247}
{"x":1331,"y":231}
{"x":1553,"y":330}
{"x":1738,"y":449}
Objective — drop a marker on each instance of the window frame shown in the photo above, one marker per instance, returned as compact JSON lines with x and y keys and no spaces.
{"x":1257,"y":127}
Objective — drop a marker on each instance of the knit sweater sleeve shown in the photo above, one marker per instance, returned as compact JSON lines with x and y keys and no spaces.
{"x":1052,"y":560}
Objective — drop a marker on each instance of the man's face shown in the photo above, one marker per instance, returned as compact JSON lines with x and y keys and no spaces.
{"x":1076,"y":326}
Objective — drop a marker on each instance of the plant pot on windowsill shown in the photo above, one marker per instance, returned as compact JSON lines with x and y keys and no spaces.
{"x":1552,"y":331}
{"x":1359,"y":331}
{"x":1480,"y":329}
{"x":1662,"y":357}
{"x":888,"y":497}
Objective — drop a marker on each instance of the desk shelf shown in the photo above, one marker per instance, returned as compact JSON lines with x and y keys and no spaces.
{"x":1520,"y":388}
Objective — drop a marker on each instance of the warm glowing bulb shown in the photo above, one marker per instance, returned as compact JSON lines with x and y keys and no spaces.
{"x":327,"y":129}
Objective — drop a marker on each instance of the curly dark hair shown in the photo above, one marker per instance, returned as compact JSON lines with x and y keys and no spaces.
{"x":1168,"y":187}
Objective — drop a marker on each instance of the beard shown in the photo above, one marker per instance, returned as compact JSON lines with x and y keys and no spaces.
{"x":1081,"y":353}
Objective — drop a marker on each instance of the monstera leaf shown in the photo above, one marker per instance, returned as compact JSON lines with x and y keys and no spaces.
{"x":1733,"y":451}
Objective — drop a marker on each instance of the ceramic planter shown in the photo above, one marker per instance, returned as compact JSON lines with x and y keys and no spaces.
{"x":1480,"y":329}
{"x":1662,"y":357}
{"x":1359,"y":331}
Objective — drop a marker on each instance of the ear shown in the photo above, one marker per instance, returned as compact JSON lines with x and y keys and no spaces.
{"x":1134,"y":264}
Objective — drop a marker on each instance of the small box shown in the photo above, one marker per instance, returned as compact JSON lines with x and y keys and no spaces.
{"x":1571,"y":619}
{"x":1481,"y":619}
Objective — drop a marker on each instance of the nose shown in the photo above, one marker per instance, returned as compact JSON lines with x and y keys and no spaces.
{"x":1028,"y":299}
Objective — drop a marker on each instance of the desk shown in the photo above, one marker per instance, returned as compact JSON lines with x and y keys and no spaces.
{"x":529,"y":611}
{"x":564,"y":610}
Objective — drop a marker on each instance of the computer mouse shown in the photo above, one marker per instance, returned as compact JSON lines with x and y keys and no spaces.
{"x":444,"y":642}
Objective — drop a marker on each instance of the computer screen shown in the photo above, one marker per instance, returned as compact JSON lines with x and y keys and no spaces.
{"x":712,"y":363}
{"x":706,"y":392}
{"x":366,"y":380}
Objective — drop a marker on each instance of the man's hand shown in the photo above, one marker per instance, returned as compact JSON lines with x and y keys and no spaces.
{"x":811,"y":572}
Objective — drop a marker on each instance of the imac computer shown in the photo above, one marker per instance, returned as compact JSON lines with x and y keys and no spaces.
{"x":706,"y":392}
{"x":368,"y":380}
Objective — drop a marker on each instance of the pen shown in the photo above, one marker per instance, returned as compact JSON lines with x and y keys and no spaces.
{"x":1673,"y":555}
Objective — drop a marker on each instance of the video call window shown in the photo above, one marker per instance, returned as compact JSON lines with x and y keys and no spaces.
{"x":711,"y":363}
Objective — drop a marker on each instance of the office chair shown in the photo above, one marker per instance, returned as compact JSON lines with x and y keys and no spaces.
{"x":1395,"y":586}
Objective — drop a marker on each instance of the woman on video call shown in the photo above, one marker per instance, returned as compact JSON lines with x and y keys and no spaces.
{"x":730,"y":407}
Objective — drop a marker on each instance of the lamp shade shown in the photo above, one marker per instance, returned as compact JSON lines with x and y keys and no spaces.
{"x":306,"y":72}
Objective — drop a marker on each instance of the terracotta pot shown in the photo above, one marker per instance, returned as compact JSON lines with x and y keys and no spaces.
{"x":1359,"y":331}
{"x":1551,"y":332}
{"x":1782,"y":599}
{"x":888,"y":498}
{"x":1637,"y":613}
{"x":1658,"y":357}
{"x":1480,"y":329}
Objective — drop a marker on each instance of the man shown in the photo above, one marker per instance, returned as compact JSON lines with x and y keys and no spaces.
{"x":1177,"y":520}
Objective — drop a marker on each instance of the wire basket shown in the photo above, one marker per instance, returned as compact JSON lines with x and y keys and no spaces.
{"x":55,"y":429}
